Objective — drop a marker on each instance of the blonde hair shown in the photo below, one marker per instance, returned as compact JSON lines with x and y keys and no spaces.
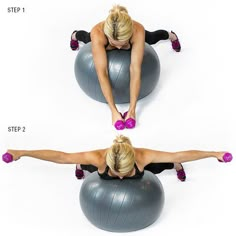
{"x":120,"y":156}
{"x":118,"y":25}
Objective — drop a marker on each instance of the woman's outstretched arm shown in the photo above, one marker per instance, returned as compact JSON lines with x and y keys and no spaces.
{"x":90,"y":157}
{"x":154,"y":156}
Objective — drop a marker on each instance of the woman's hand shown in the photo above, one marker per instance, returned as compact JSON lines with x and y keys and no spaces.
{"x":16,"y":154}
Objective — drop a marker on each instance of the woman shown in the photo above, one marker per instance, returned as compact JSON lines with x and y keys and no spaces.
{"x":119,"y":31}
{"x":121,"y":160}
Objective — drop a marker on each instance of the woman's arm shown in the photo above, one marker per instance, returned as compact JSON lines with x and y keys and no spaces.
{"x":147,"y":156}
{"x":95,"y":157}
{"x":98,"y":41}
{"x":138,"y":43}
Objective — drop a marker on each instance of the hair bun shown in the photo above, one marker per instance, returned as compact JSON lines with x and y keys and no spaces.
{"x":122,"y":139}
{"x":117,"y":9}
{"x":119,"y":140}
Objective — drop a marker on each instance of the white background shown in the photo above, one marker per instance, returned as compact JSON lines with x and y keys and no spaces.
{"x":193,"y":107}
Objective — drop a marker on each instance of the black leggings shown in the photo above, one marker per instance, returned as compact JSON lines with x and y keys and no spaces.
{"x":150,"y":37}
{"x":155,"y":168}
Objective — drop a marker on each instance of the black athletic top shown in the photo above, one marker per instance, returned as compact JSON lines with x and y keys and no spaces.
{"x":138,"y":174}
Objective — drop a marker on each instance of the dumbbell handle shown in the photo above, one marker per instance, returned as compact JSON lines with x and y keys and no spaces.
{"x":7,"y":157}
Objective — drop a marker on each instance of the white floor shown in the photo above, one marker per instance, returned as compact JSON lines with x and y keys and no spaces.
{"x":193,"y":107}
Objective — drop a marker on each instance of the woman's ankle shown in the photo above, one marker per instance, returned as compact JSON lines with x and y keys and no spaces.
{"x":73,"y":36}
{"x":178,"y":166}
{"x":172,"y":37}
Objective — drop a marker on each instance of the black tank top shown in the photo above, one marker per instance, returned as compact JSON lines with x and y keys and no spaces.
{"x":138,"y":174}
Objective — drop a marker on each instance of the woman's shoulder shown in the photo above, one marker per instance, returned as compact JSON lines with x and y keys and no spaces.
{"x":138,"y":31}
{"x":138,"y":27}
{"x":100,"y":157}
{"x":98,"y":28}
{"x":145,"y":156}
{"x":97,"y":32}
{"x":94,"y":157}
{"x":140,"y":156}
{"x":137,"y":24}
{"x":101,"y":153}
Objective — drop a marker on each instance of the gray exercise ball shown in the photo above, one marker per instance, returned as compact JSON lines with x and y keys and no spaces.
{"x":118,"y":69}
{"x":122,"y":205}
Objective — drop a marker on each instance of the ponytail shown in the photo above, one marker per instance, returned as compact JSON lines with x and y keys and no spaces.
{"x":120,"y":156}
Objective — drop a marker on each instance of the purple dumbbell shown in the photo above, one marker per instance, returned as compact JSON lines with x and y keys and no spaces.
{"x":227,"y":157}
{"x":7,"y":157}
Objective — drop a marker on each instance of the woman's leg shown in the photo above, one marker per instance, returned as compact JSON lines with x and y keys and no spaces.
{"x":157,"y":168}
{"x":156,"y":36}
{"x":82,"y":36}
{"x":81,"y":169}
{"x":89,"y":168}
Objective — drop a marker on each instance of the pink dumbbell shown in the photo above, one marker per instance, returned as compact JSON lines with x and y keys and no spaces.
{"x":7,"y":157}
{"x":227,"y":157}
